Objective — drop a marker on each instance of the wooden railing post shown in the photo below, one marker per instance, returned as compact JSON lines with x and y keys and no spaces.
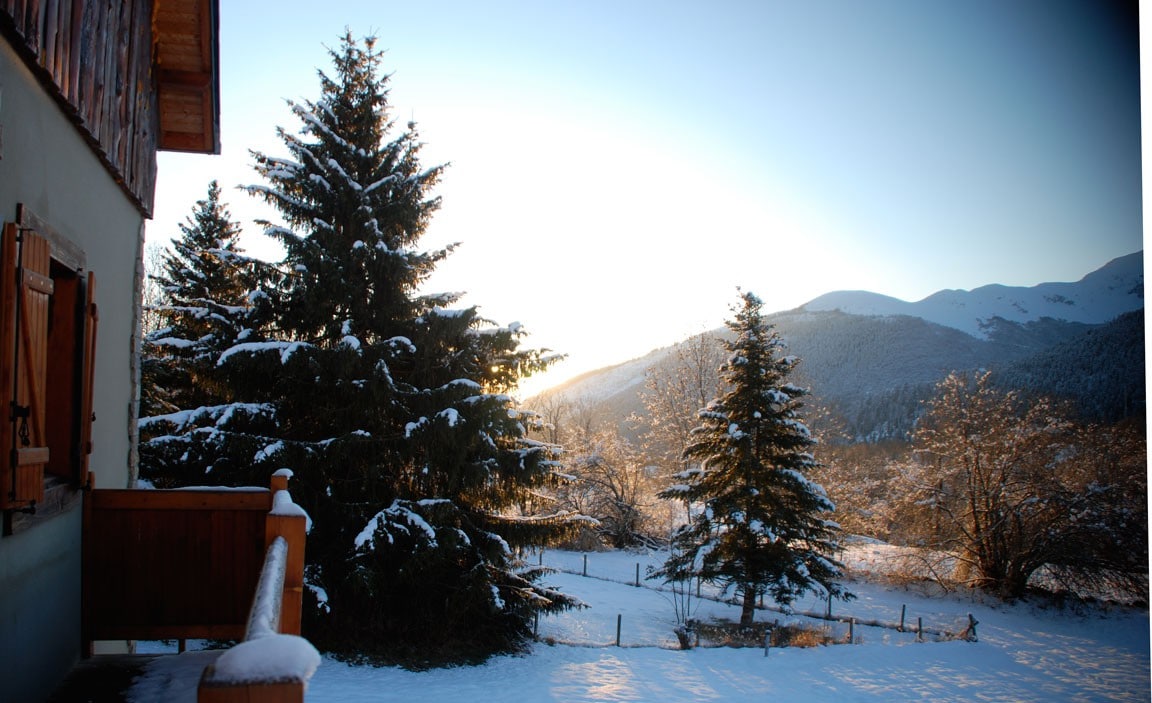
{"x":289,"y":521}
{"x":280,"y":480}
{"x":285,"y":527}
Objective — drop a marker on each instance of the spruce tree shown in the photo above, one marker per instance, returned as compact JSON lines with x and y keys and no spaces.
{"x":755,"y":517}
{"x":393,"y":407}
{"x":191,"y":419}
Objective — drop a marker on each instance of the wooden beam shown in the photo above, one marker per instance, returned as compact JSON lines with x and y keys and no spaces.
{"x":131,"y":499}
{"x":63,"y":249}
{"x":192,"y":79}
{"x":183,"y":141}
{"x":189,"y":631}
{"x":275,"y":692}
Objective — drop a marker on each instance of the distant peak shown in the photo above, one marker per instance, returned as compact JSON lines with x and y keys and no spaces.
{"x":1098,"y":297}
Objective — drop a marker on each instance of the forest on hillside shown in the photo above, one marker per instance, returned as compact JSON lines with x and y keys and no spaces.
{"x":874,"y":374}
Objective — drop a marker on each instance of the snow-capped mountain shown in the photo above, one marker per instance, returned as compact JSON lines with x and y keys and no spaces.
{"x":1115,"y":288}
{"x":874,"y":358}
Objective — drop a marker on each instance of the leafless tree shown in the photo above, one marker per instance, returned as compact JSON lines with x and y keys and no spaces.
{"x":674,"y":393}
{"x":1011,"y":488}
{"x":153,"y":267}
{"x":612,"y":483}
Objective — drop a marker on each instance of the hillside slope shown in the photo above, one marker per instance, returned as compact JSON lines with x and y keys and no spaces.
{"x":874,"y":368}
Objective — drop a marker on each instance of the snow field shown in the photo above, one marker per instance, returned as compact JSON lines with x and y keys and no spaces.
{"x":1024,"y":654}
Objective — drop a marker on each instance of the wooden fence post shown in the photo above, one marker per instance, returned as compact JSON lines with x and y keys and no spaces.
{"x":619,"y":618}
{"x":903,"y":608}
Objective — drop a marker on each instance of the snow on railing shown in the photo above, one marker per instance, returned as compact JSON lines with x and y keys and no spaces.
{"x":273,"y":663}
{"x":264,"y":618}
{"x":274,"y":660}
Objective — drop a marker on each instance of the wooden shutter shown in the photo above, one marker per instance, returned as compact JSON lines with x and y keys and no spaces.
{"x":88,"y":374}
{"x":25,"y":291}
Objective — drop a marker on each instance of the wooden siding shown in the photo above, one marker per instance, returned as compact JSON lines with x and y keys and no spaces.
{"x":99,"y":59}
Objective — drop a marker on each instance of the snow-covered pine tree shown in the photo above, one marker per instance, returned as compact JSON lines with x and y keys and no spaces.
{"x":393,"y":409}
{"x":755,"y":522}
{"x":193,"y":430}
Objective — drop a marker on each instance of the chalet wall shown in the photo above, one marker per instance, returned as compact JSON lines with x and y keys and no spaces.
{"x":47,"y":164}
{"x":40,"y":608}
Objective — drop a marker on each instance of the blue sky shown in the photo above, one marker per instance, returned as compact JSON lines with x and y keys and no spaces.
{"x":619,"y":168}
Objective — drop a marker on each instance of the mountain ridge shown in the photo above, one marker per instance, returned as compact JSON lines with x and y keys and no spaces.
{"x":1100,"y":296}
{"x":860,"y":363}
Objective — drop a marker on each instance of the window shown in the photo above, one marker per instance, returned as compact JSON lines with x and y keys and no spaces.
{"x":47,"y":345}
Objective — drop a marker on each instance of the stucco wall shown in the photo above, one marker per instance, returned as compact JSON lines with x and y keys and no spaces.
{"x":45,"y":164}
{"x":40,"y":608}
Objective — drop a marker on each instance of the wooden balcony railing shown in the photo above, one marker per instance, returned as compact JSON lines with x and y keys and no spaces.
{"x":203,"y":563}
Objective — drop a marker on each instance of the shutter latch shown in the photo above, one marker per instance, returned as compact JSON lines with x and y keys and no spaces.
{"x":22,"y":413}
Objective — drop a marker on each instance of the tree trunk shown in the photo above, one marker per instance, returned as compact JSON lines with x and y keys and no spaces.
{"x":1014,"y":583}
{"x":748,"y":613}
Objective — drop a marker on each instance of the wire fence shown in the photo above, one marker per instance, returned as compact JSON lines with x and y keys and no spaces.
{"x":631,"y":625}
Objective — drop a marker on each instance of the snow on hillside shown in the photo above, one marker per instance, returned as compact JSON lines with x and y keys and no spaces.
{"x":1114,"y":289}
{"x":599,"y":385}
{"x":1024,"y":653}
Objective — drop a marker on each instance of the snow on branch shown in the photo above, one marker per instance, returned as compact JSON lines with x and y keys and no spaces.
{"x":218,"y":415}
{"x":316,"y":126}
{"x":383,"y":181}
{"x":286,"y":349}
{"x":286,"y":164}
{"x":174,"y":342}
{"x":398,"y":516}
{"x":274,"y":194}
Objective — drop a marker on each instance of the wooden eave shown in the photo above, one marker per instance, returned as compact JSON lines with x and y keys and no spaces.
{"x":134,"y":76}
{"x":188,"y":75}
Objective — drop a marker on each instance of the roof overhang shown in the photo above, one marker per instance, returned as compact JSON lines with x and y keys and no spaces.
{"x":188,"y":75}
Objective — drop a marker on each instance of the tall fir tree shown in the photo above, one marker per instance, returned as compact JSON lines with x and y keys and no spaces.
{"x":193,"y":430}
{"x":755,"y":517}
{"x":392,"y":407}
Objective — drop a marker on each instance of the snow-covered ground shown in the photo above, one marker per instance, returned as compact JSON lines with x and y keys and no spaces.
{"x":1024,"y":653}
